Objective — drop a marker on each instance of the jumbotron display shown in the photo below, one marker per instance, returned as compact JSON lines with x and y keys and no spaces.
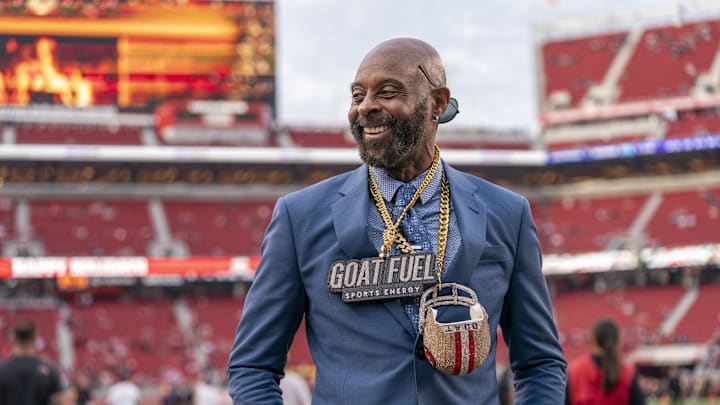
{"x":77,"y":72}
{"x":137,"y":55}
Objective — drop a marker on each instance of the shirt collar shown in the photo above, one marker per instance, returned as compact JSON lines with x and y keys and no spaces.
{"x":389,"y":185}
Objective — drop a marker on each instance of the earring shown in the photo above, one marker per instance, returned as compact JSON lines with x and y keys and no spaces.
{"x":435,"y":117}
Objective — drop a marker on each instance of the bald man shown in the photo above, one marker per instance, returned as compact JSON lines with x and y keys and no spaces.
{"x":403,"y":268}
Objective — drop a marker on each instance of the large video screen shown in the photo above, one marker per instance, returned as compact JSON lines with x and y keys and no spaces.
{"x":137,"y":54}
{"x":78,"y":72}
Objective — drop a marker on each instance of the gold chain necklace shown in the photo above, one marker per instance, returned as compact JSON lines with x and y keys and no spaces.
{"x":392,"y":235}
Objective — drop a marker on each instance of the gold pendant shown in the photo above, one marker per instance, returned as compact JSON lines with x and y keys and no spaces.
{"x":455,"y":348}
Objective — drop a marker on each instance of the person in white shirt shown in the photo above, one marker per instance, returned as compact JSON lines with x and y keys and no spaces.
{"x":123,"y":392}
{"x":295,"y":390}
{"x":207,"y":393}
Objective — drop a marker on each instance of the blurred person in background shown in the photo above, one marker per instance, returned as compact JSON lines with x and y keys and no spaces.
{"x":674,"y":389}
{"x":24,"y":378}
{"x":177,"y":394}
{"x":81,"y":389}
{"x":600,"y":377}
{"x":123,"y":391}
{"x":207,"y":394}
{"x":295,"y":389}
{"x":474,"y":237}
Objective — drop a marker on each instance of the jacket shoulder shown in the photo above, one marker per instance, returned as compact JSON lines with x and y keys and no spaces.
{"x":324,"y":190}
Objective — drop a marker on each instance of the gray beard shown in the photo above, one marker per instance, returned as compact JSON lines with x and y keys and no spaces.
{"x":407,"y":134}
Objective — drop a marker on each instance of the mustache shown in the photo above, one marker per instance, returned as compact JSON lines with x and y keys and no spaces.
{"x":374,"y":121}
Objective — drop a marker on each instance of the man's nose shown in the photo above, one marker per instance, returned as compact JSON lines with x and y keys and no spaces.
{"x":368,"y":105}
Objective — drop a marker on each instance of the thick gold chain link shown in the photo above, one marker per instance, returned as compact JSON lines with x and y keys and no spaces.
{"x":443,"y":226}
{"x":392,"y":235}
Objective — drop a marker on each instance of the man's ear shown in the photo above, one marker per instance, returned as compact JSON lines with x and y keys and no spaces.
{"x":446,"y":107}
{"x":442,"y":98}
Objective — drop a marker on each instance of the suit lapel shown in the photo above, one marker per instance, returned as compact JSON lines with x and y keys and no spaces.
{"x":350,"y":219}
{"x":349,"y":215}
{"x":471,"y":214}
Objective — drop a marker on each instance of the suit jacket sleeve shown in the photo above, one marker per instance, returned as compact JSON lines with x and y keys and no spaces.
{"x":273,"y":310}
{"x":528,"y":327}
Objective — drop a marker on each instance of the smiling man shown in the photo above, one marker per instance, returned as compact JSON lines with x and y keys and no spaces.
{"x":393,"y":100}
{"x":404,"y":268}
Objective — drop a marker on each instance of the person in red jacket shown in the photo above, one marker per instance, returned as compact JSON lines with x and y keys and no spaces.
{"x":600,"y":377}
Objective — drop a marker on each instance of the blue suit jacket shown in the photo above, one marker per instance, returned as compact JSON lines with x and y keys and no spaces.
{"x":366,"y":352}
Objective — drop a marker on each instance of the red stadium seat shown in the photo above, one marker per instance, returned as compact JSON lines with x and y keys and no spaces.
{"x":91,"y":228}
{"x":584,"y":224}
{"x":77,"y":134}
{"x":142,"y":335}
{"x":668,"y":60}
{"x":321,"y":137}
{"x":686,"y":218}
{"x":574,"y":65}
{"x":219,"y":228}
{"x":702,"y":321}
{"x":639,"y":312}
{"x":45,"y":320}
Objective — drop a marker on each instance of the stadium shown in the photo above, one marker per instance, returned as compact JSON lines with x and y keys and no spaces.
{"x":141,"y":159}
